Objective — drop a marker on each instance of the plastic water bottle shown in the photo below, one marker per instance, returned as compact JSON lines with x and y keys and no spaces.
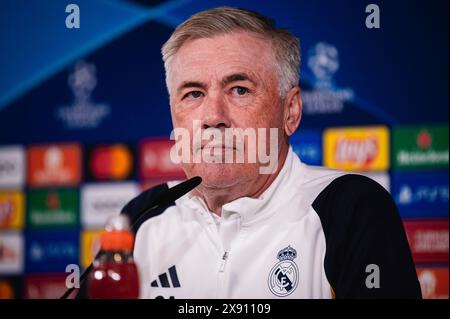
{"x":114,"y":274}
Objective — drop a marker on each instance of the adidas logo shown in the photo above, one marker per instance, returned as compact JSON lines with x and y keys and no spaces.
{"x":164,"y":280}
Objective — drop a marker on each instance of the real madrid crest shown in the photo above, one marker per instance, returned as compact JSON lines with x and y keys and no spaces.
{"x":283,"y":277}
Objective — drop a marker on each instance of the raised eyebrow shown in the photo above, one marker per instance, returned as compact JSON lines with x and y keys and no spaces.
{"x":190,"y":84}
{"x":237,"y":77}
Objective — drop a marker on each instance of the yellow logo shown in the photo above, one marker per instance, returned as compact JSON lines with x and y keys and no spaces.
{"x":11,"y":210}
{"x":357,"y":148}
{"x":90,"y":245}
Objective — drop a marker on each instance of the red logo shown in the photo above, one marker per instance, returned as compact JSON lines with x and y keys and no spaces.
{"x":155,"y":162}
{"x":424,"y":140}
{"x":53,"y":200}
{"x":54,"y":165}
{"x":433,"y":282}
{"x":428,"y":240}
{"x":49,"y":286}
{"x":111,"y":162}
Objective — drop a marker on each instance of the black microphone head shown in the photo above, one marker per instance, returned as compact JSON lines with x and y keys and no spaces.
{"x":157,"y":197}
{"x":172,"y":194}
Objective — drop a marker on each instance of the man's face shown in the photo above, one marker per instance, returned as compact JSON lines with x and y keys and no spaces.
{"x":227,"y":81}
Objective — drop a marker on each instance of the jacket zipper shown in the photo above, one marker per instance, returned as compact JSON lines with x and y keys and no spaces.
{"x":223,"y":262}
{"x":221,"y":291}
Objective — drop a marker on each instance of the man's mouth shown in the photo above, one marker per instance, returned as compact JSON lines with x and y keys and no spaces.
{"x":223,"y":147}
{"x":217,"y":146}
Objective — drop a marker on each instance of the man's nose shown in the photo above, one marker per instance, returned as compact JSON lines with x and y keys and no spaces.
{"x":215,"y":113}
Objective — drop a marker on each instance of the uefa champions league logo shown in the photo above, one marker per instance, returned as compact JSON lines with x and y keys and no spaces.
{"x":83,"y":113}
{"x":325,"y":97}
{"x":323,"y":61}
{"x":283,"y":278}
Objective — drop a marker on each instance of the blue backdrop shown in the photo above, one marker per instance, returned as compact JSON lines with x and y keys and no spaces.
{"x":103,"y":83}
{"x":393,"y":75}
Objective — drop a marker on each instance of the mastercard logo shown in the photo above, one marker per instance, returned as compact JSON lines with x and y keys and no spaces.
{"x":111,"y":162}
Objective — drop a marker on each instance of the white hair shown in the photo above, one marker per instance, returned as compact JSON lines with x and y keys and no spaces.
{"x":222,"y":20}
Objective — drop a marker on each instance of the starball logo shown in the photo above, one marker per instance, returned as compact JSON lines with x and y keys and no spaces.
{"x":83,"y":112}
{"x":325,"y":97}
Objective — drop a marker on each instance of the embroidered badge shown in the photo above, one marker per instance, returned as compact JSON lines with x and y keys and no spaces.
{"x":283,"y":277}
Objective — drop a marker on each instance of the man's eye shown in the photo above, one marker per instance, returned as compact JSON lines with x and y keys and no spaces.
{"x":194,"y":94}
{"x":239,"y":90}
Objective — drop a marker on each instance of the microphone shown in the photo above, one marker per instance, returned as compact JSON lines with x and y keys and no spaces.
{"x":162,"y":199}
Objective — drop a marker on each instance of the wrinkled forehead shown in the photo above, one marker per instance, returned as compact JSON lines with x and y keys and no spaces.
{"x":204,"y":58}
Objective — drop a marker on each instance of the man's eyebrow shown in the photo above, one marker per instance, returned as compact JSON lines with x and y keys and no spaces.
{"x":237,"y":77}
{"x":190,"y":84}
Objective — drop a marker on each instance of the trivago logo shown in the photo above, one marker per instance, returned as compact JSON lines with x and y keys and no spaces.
{"x":417,"y":147}
{"x":53,"y":208}
{"x":58,"y":165}
{"x":110,"y":162}
{"x":357,"y":149}
{"x":11,"y":210}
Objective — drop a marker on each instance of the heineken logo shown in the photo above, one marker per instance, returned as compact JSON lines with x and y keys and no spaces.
{"x":47,"y":208}
{"x":420,"y":147}
{"x":416,"y":158}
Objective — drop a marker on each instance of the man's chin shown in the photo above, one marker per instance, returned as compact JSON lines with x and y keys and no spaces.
{"x":221,"y":175}
{"x":218,"y":183}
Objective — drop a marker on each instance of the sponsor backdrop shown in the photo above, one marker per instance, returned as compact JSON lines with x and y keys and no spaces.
{"x":85,"y":121}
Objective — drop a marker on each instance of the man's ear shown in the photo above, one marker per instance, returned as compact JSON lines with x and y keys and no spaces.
{"x":293,"y":110}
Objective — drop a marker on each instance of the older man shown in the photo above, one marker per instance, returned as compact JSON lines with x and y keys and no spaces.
{"x":294,"y":232}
